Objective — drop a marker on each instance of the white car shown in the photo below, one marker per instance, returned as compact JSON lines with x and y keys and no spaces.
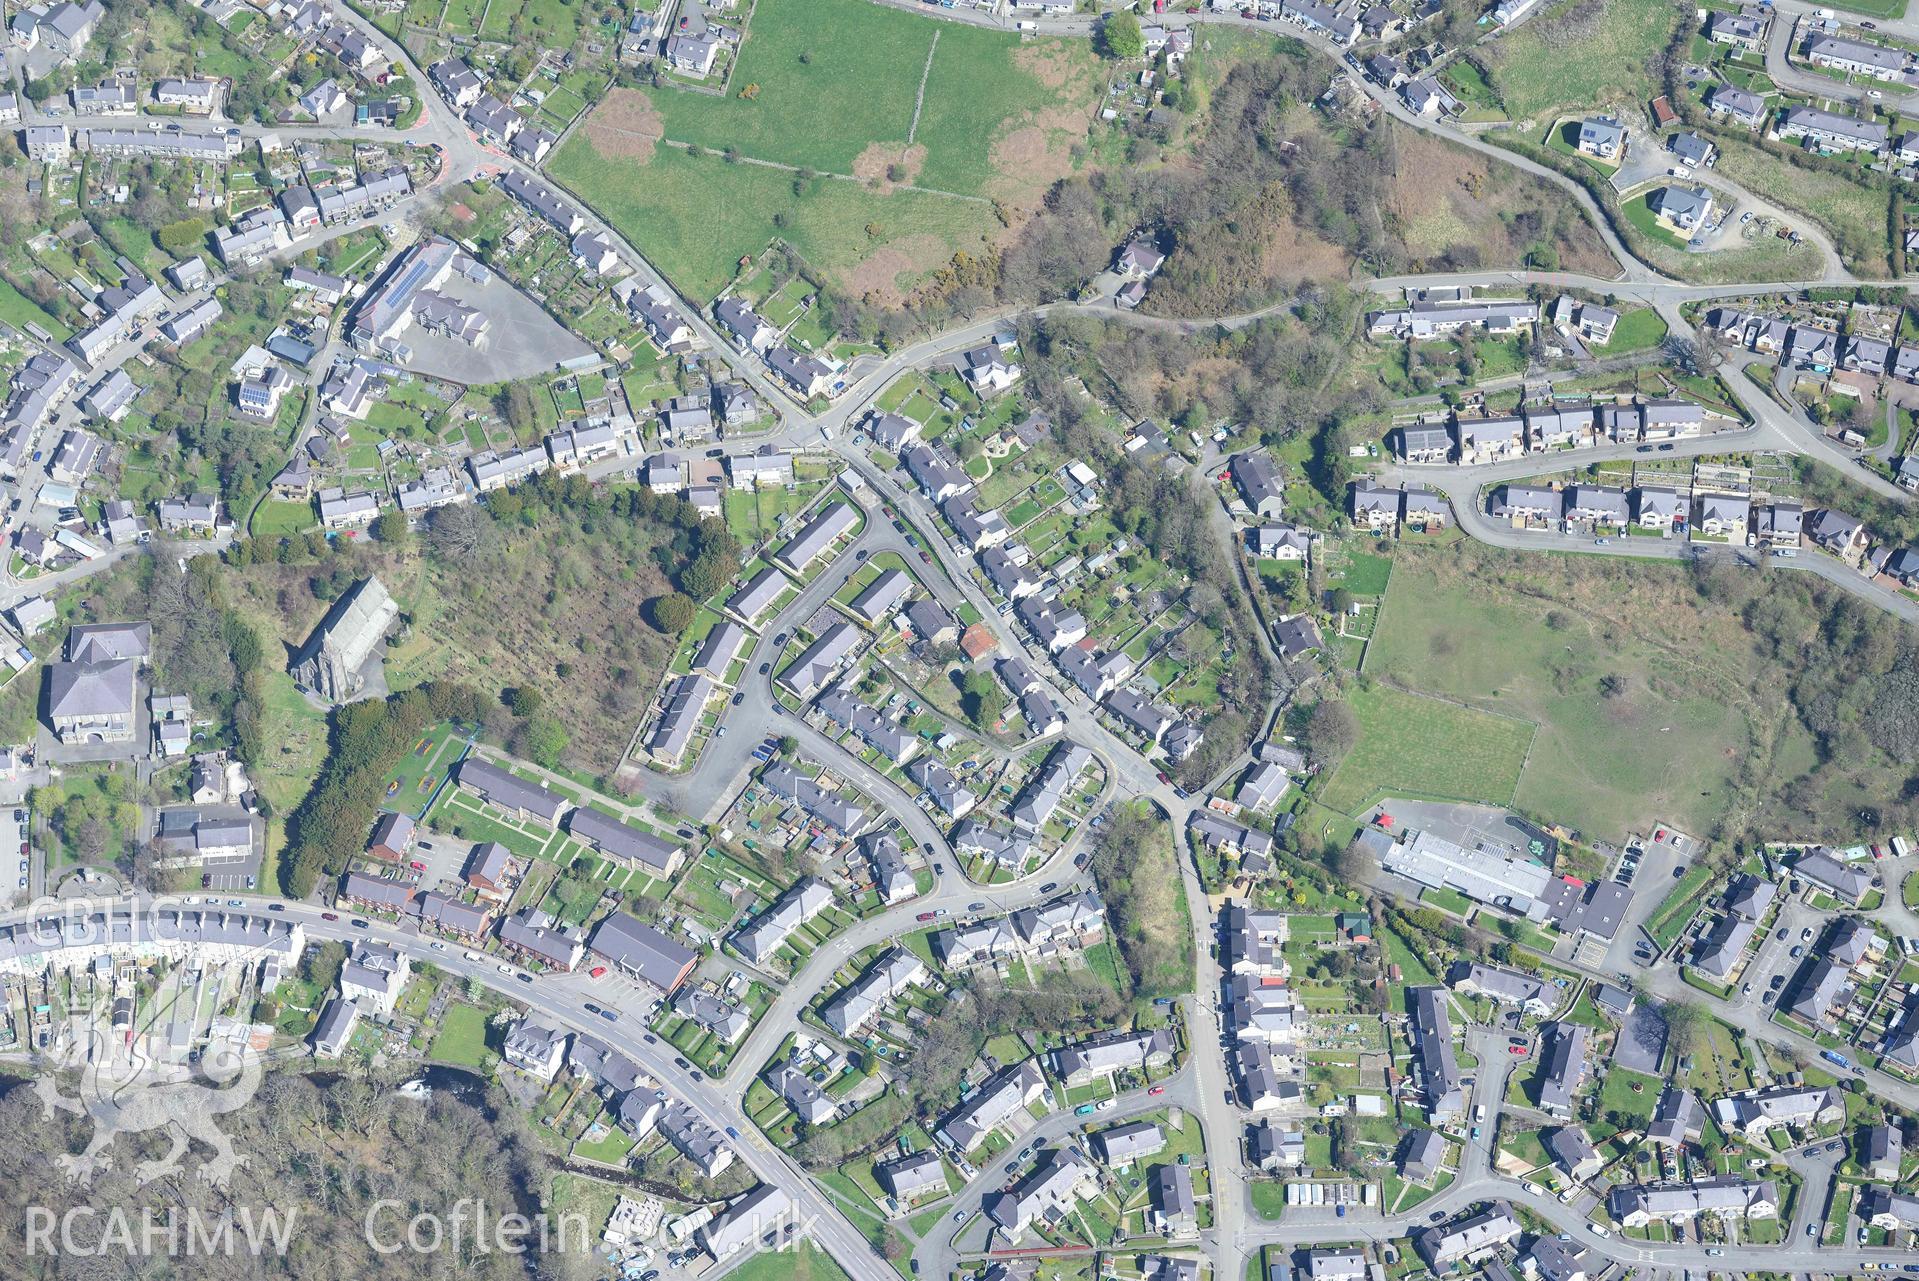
{"x":506,"y":970}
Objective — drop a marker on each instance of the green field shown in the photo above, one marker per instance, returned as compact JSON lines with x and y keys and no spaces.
{"x":1557,"y":63}
{"x":1873,"y":8}
{"x":998,"y":123}
{"x":20,"y":311}
{"x":276,"y":518}
{"x":859,"y":66}
{"x":1412,"y":745}
{"x":1854,"y":214}
{"x":700,"y":215}
{"x":462,"y":1037}
{"x":804,"y":1262}
{"x":1638,"y":330}
{"x":1663,"y":745}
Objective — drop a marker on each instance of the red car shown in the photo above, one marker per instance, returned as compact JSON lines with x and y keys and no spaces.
{"x":1515,"y":1049}
{"x":1157,"y":1089}
{"x":418,"y":866}
{"x":598,"y":971}
{"x":329,"y":916}
{"x":924,"y":916}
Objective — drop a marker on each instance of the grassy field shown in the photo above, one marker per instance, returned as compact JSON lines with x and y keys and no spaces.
{"x":805,"y":1262}
{"x":1854,"y":214}
{"x":1412,"y":745}
{"x":1873,"y":8}
{"x":1559,"y":63}
{"x":1663,"y":745}
{"x":298,"y":731}
{"x":997,"y":122}
{"x":860,"y":66}
{"x":699,"y":215}
{"x":1638,"y":329}
{"x":462,"y":1037}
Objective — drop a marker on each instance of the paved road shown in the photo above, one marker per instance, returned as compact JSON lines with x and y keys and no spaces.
{"x":1788,"y":75}
{"x":1202,"y":1085}
{"x":561,"y":1003}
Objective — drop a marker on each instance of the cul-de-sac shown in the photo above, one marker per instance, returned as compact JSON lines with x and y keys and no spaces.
{"x":962,"y":640}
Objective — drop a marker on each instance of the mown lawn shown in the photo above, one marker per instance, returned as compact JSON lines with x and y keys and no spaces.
{"x":1637,"y":330}
{"x":1416,"y":746}
{"x":462,"y":1037}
